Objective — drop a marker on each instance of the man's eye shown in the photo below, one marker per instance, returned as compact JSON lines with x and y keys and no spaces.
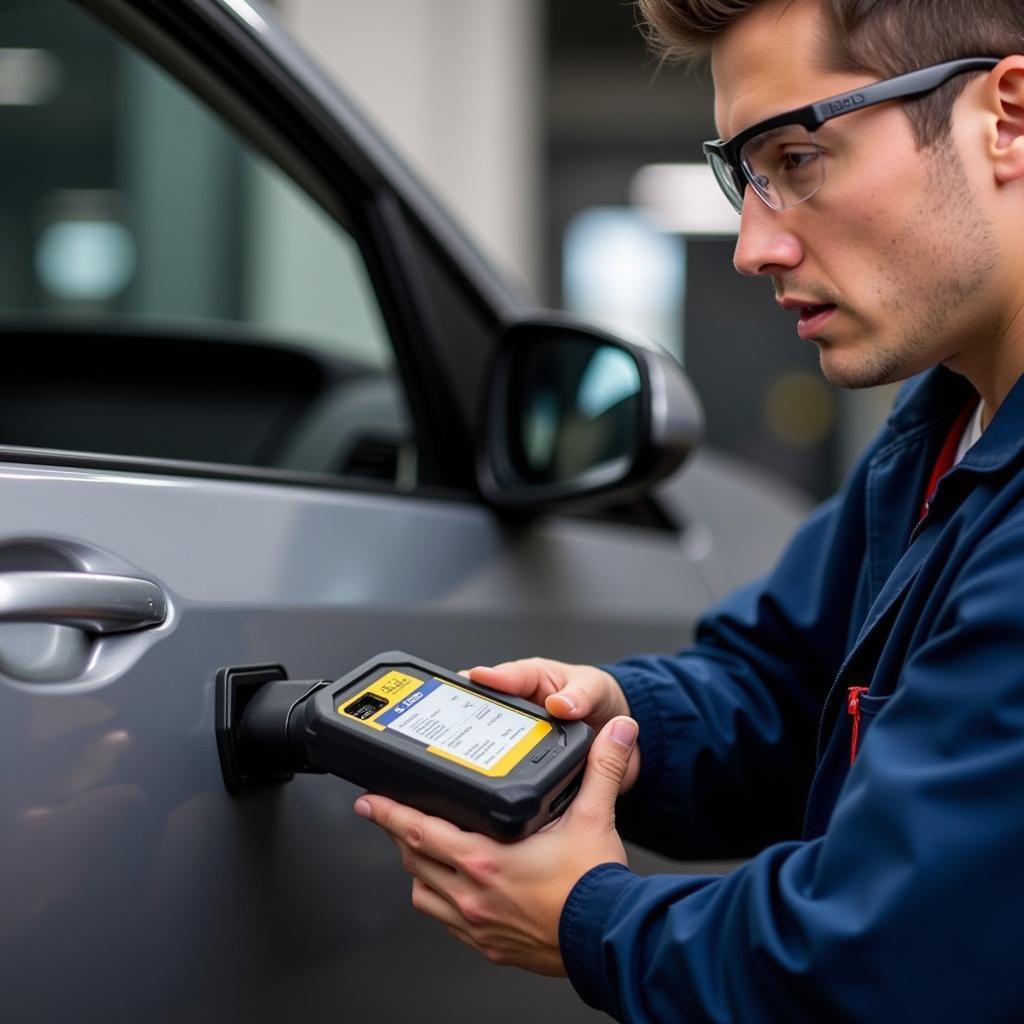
{"x":798,"y":159}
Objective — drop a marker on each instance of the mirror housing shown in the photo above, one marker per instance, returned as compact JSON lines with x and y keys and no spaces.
{"x":574,"y":415}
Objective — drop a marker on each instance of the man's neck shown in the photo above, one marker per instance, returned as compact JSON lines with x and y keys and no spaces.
{"x":998,"y":366}
{"x":995,"y":368}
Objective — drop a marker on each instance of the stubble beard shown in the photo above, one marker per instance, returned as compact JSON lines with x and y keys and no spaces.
{"x":943,"y":255}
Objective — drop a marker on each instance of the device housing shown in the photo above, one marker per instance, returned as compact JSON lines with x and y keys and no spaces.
{"x":288,"y":726}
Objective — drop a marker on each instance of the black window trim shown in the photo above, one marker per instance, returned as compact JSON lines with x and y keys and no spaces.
{"x":50,"y":458}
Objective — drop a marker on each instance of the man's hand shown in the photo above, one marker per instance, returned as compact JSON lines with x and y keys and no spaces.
{"x":565,"y":691}
{"x":505,"y":900}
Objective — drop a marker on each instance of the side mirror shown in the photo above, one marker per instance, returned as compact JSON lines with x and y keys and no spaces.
{"x":577,"y":415}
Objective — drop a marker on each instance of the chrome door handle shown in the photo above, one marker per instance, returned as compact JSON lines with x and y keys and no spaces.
{"x":89,"y":601}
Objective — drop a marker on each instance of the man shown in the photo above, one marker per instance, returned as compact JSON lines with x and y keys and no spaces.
{"x":855,"y":720}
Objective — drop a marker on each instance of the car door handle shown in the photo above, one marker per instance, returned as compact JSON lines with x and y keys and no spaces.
{"x":89,"y":601}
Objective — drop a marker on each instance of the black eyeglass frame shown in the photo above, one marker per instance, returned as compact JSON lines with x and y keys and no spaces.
{"x":814,"y":115}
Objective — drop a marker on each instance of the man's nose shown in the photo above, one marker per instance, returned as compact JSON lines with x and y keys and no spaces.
{"x":765,"y":245}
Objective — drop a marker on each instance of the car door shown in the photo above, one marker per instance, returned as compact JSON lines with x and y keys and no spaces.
{"x":243,"y":352}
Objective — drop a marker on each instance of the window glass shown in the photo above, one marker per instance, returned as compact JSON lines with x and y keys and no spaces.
{"x":165,"y":290}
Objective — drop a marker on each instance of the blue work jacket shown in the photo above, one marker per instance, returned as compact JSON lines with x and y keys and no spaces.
{"x":889,"y":890}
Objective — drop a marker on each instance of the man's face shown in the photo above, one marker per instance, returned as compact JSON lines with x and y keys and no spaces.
{"x":890,"y":265}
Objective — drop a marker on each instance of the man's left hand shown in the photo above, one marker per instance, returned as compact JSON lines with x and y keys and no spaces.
{"x":505,"y":899}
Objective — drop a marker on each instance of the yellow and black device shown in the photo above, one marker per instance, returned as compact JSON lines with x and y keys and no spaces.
{"x":421,"y":734}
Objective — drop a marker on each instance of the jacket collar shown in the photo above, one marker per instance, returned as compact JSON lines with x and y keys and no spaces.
{"x":936,"y":397}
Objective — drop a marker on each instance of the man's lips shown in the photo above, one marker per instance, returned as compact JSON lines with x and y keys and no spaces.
{"x":812,"y":320}
{"x":813,"y":316}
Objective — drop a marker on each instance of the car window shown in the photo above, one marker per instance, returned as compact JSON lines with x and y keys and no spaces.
{"x":166,"y":291}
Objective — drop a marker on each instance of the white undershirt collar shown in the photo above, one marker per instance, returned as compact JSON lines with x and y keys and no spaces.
{"x":972,"y":432}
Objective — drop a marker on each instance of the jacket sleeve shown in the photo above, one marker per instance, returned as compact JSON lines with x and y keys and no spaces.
{"x":906,"y":909}
{"x":728,"y":725}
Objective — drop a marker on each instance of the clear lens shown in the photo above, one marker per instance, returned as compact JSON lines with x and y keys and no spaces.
{"x":785,"y":165}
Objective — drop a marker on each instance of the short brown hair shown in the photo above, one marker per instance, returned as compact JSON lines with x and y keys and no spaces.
{"x":879,"y":37}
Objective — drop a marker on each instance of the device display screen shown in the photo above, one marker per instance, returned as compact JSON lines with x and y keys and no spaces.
{"x":449,"y":720}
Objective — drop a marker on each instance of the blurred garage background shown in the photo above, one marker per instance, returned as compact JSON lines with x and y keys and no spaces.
{"x":561,"y":145}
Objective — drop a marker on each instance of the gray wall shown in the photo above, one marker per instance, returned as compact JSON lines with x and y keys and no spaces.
{"x":455,"y":84}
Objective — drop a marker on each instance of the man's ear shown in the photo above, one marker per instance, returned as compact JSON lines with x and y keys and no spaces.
{"x":1005,"y":93}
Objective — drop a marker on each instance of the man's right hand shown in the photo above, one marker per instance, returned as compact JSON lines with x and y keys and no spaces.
{"x":565,"y":691}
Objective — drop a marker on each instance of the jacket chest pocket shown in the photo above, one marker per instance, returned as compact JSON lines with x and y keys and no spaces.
{"x":862,"y":708}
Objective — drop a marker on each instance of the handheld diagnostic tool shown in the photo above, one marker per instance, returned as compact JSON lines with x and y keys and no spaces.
{"x":423,"y":735}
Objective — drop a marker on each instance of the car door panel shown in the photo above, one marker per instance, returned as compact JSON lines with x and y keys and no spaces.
{"x":128,"y":863}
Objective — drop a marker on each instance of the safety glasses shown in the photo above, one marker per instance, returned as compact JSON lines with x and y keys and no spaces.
{"x":780,"y":158}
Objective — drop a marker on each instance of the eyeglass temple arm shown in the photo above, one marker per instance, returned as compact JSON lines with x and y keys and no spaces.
{"x":913,"y":83}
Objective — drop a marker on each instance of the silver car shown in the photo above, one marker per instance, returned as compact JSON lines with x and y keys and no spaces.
{"x":263,"y":404}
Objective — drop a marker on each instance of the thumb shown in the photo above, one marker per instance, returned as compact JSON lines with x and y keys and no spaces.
{"x":606,"y":768}
{"x":531,"y":678}
{"x":510,"y":676}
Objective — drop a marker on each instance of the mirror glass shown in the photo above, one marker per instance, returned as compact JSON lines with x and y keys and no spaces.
{"x":575,"y":410}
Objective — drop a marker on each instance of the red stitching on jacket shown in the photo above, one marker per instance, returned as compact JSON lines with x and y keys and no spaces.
{"x":853,"y":709}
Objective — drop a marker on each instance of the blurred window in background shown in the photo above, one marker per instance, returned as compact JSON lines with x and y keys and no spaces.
{"x":137,"y":228}
{"x":624,"y":274}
